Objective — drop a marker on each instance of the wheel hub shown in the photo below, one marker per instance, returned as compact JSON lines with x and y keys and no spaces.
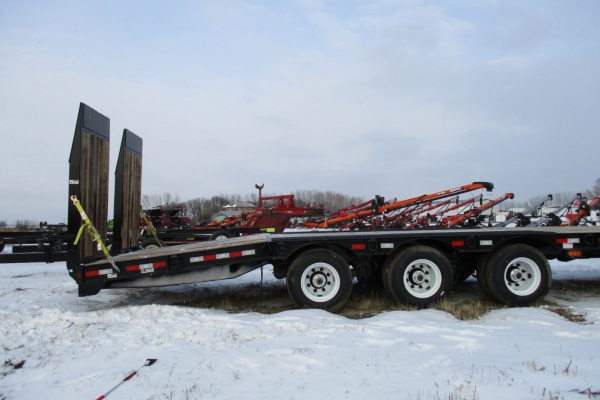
{"x":516,"y":275}
{"x":522,"y":276}
{"x":418,"y":277}
{"x":320,"y":282}
{"x":422,"y":278}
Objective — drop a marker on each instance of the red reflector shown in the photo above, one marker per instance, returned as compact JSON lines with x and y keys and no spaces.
{"x":235,"y":254}
{"x":458,"y":243}
{"x":161,"y":264}
{"x":210,"y":257}
{"x":132,"y":268}
{"x":92,"y":273}
{"x":561,"y":241}
{"x":358,"y":246}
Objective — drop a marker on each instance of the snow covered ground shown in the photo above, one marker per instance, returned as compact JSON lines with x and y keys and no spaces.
{"x":55,"y":345}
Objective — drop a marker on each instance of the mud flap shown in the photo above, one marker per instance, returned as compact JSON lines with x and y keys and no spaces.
{"x":91,"y":288}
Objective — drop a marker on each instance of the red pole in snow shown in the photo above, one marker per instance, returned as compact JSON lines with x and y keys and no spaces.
{"x":148,"y":363}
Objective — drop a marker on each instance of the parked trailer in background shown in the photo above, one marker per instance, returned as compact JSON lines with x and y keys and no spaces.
{"x":47,"y":244}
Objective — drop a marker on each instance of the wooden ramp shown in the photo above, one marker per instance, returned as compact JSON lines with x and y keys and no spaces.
{"x":89,"y":180}
{"x":128,"y":193}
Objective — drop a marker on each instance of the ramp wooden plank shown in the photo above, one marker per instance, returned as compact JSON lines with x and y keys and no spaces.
{"x":128,"y":193}
{"x":88,"y":179}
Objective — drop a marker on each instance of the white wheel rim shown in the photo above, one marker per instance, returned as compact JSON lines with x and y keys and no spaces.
{"x":221,"y":237}
{"x":320,"y":282}
{"x":422,"y":278}
{"x":522,"y":276}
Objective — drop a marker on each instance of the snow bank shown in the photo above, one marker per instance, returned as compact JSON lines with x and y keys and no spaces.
{"x":78,"y":348}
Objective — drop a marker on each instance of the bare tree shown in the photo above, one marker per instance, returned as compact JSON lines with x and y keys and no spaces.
{"x":26,"y":224}
{"x":596,"y":190}
{"x":150,"y":201}
{"x":166,"y":200}
{"x":201,"y":209}
{"x":331,"y":201}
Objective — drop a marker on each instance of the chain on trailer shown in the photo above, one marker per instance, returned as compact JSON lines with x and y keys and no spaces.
{"x":91,"y":229}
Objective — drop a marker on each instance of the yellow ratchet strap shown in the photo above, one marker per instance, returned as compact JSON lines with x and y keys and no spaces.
{"x":92,"y":231}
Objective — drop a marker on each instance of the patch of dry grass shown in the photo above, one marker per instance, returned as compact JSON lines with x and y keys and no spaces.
{"x":566,"y":312}
{"x":466,"y":303}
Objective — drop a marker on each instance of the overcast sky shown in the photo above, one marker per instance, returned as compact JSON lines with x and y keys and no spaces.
{"x":397,"y":98}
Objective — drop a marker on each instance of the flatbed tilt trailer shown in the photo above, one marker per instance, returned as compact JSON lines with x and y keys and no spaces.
{"x":417,"y":266}
{"x":320,"y":267}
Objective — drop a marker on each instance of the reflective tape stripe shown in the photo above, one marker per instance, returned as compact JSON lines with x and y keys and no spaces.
{"x":98,"y":272}
{"x":222,"y":256}
{"x":159,"y":264}
{"x":567,"y":240}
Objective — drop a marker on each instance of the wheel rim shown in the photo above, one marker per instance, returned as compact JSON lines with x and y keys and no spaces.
{"x":422,"y":278}
{"x":221,"y":237}
{"x":152,"y":246}
{"x":522,"y":276}
{"x":320,"y":282}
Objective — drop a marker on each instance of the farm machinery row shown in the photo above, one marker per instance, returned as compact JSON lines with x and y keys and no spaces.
{"x":445,"y":209}
{"x":439,"y":210}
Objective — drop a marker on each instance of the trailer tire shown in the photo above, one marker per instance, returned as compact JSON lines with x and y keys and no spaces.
{"x":384,"y":272}
{"x":221,"y":234}
{"x":319,"y":278}
{"x":518,"y":275}
{"x":151,"y":244}
{"x":481,"y":276}
{"x":419,"y":275}
{"x":1,"y":247}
